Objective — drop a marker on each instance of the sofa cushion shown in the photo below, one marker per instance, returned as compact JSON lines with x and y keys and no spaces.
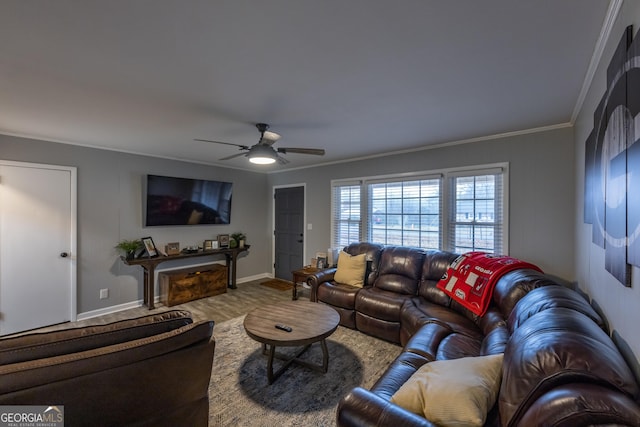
{"x":54,"y":343}
{"x":351,"y":269}
{"x":419,"y":307}
{"x":338,"y":295}
{"x":435,"y":266}
{"x":514,"y":285}
{"x":554,"y":347}
{"x":457,"y":392}
{"x":380,"y":304}
{"x":547,"y":297}
{"x":372,"y":253}
{"x":399,"y":270}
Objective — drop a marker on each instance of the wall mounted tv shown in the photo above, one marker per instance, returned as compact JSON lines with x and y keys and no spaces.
{"x":184,"y":201}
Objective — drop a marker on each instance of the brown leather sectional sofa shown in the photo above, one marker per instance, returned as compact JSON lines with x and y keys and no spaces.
{"x":149,"y":371}
{"x":560,"y":366}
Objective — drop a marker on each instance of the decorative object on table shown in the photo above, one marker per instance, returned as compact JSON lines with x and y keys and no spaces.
{"x":207,"y":245}
{"x":215,"y":244}
{"x":223,"y":240}
{"x":150,"y":247}
{"x":332,"y":257}
{"x":321,"y":260}
{"x":240,"y":239}
{"x":190,"y":249}
{"x":172,"y":248}
{"x":129,"y":247}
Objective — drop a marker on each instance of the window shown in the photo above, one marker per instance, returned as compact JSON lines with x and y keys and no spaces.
{"x":346,"y":214}
{"x":476,"y":213}
{"x":405,"y":213}
{"x":455,"y":210}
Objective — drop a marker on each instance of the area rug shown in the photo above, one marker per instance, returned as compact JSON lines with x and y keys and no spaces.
{"x":240,"y":395}
{"x":279,"y":284}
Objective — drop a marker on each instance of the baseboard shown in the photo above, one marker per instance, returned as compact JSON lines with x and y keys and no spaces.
{"x":135,"y":304}
{"x":255,"y":277}
{"x":109,"y":310}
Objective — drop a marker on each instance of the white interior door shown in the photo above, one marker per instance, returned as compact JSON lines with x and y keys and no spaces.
{"x":37,"y":246}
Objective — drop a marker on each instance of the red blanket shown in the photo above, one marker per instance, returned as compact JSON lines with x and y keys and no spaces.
{"x":472,"y":276}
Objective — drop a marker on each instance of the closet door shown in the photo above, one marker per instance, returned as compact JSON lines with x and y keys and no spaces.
{"x":37,"y":246}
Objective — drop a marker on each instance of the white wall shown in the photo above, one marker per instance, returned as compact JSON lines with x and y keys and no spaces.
{"x":621,"y":305}
{"x":110,"y":209}
{"x":541,"y":196}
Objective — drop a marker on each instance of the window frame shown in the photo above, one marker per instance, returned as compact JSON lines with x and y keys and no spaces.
{"x":447,"y":196}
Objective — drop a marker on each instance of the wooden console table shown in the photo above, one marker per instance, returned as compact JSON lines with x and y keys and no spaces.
{"x":149,"y":266}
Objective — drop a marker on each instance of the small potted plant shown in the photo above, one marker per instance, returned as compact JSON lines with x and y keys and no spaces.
{"x":129,"y":247}
{"x":240,"y":238}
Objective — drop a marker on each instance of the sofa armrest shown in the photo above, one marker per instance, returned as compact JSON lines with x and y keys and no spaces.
{"x":363,"y":408}
{"x":581,"y":404}
{"x":315,"y":279}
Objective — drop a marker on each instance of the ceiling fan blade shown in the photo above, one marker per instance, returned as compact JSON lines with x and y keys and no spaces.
{"x":233,"y":156}
{"x":244,"y":147}
{"x":282,"y":160}
{"x":314,"y":151}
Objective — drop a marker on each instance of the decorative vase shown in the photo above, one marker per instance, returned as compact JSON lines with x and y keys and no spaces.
{"x":241,"y":243}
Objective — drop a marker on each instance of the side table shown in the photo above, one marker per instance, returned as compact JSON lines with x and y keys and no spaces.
{"x":301,"y":276}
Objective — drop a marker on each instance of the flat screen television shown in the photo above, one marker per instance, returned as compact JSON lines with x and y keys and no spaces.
{"x":184,"y":201}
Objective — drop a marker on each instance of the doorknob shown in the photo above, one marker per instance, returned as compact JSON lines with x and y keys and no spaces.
{"x":64,"y":254}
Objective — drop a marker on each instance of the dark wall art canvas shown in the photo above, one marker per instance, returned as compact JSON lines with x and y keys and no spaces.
{"x":612,"y":163}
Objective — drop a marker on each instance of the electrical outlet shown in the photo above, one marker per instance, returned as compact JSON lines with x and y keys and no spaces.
{"x":104,"y":293}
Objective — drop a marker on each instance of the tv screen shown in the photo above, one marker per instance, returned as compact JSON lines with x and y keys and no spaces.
{"x":184,"y":201}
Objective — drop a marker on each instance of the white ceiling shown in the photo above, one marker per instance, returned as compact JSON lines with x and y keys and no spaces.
{"x":356,"y":77}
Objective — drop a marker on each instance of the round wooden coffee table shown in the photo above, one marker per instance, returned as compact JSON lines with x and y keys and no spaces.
{"x":310,"y":322}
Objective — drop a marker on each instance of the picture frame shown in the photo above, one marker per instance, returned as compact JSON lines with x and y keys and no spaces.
{"x":321,"y":262}
{"x":150,"y":247}
{"x":207,"y":245}
{"x":223,"y":240}
{"x":172,"y":248}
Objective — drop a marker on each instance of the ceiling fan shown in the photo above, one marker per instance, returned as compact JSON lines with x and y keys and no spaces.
{"x":263,"y":152}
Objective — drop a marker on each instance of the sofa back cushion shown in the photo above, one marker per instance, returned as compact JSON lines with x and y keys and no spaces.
{"x":372,"y":253}
{"x":555,"y":347}
{"x":55,"y":343}
{"x":399,"y":270}
{"x":435,"y":265}
{"x":547,"y":297}
{"x":514,"y":285}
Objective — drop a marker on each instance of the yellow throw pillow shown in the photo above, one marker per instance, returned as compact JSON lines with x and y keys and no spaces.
{"x":457,"y":392}
{"x":350,"y":269}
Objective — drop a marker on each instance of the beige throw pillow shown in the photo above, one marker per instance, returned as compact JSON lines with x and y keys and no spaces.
{"x":350,"y":269}
{"x":457,"y":392}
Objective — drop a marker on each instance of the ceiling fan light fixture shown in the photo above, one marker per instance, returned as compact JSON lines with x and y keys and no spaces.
{"x":258,"y":160}
{"x":262,"y":155}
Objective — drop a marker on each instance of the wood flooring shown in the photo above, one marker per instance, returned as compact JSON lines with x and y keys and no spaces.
{"x":232,"y":304}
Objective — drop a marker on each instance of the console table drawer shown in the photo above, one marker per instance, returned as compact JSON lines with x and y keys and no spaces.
{"x":180,"y":286}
